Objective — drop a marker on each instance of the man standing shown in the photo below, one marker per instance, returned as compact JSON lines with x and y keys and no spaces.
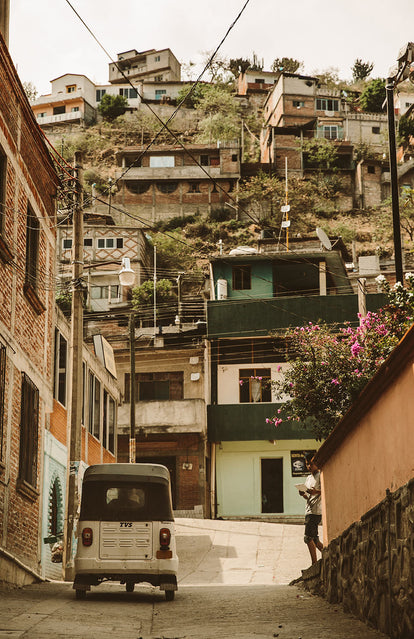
{"x":313,"y":510}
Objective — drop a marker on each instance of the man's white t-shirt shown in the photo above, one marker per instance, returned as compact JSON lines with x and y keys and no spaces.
{"x":313,"y":504}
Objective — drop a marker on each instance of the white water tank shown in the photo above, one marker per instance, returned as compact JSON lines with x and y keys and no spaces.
{"x":221,"y":289}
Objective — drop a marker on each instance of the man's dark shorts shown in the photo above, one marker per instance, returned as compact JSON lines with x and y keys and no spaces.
{"x":311,"y":528}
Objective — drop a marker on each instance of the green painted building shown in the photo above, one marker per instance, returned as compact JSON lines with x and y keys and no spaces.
{"x":255,"y":297}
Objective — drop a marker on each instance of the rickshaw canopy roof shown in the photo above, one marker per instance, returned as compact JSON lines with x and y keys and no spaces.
{"x":127,"y":472}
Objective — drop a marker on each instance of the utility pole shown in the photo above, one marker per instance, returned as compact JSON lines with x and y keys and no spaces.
{"x":76,"y":342}
{"x":394,"y":181}
{"x":155,"y":290}
{"x":132,"y":441}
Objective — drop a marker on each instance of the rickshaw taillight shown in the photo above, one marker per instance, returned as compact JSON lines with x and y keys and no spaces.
{"x":165,"y":538}
{"x":87,"y":536}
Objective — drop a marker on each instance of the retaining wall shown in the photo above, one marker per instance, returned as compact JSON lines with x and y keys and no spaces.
{"x":369,"y":568}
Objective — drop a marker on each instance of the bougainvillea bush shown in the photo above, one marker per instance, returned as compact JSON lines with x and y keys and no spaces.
{"x":329,"y":366}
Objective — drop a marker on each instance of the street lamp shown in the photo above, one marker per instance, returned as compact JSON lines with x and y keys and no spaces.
{"x":402,"y":71}
{"x":126,"y":278}
{"x":126,"y":274}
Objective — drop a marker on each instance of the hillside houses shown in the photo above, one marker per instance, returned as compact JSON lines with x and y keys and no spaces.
{"x":199,"y":368}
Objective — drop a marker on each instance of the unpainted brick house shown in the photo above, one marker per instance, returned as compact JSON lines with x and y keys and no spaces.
{"x":170,"y":181}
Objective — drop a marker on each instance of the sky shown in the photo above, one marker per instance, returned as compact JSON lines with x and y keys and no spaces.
{"x":47,"y":38}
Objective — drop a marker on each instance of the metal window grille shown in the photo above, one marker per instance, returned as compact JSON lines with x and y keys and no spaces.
{"x":29,"y":426}
{"x":32,"y":248}
{"x":2,"y":393}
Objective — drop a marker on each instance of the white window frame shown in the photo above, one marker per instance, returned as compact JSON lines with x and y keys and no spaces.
{"x":162,"y":161}
{"x":117,"y":242}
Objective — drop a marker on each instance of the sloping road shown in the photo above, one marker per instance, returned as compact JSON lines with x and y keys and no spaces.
{"x":232,"y":585}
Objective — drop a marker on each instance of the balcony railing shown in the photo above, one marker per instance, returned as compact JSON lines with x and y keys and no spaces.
{"x":61,"y":117}
{"x":175,"y":173}
{"x":245,"y":317}
{"x":172,"y":416}
{"x":247,"y":422}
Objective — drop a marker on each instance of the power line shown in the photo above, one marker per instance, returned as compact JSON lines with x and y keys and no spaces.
{"x":164,"y":125}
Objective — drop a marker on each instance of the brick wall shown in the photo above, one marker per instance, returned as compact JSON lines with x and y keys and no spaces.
{"x":58,"y":422}
{"x":26,"y":313}
{"x":94,"y":450}
{"x":188,"y":475}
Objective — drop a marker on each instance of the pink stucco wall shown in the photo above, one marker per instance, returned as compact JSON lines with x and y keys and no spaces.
{"x":377,"y":453}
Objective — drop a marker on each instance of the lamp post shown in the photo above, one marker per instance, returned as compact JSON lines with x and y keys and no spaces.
{"x":126,"y":278}
{"x":404,"y":70}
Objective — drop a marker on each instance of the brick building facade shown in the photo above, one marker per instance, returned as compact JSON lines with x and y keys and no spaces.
{"x":101,"y":397}
{"x":28,"y":186}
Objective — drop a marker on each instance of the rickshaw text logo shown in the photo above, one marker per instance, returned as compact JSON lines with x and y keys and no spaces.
{"x":126,"y":524}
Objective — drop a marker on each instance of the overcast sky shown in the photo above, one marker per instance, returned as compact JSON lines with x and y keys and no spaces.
{"x":47,"y":39}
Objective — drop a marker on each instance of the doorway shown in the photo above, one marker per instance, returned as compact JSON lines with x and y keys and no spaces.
{"x":272,"y":485}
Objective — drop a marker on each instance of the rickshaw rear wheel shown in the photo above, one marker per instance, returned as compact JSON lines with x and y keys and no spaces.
{"x":169,"y":595}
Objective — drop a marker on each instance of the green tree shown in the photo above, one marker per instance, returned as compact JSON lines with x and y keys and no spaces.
{"x":373,"y":96}
{"x":191,"y":95}
{"x":407,"y":212}
{"x":222,"y":120}
{"x":238,"y":66}
{"x":217,"y":97}
{"x":262,"y":197}
{"x":172,"y":251}
{"x":405,"y":129}
{"x":143,"y":295}
{"x":320,"y":153}
{"x":287,"y":65}
{"x":329,"y":77}
{"x":361,"y":70}
{"x":112,"y":106}
{"x":328,"y":367}
{"x":217,"y":127}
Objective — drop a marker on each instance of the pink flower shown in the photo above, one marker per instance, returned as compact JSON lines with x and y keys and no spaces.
{"x":335,"y":381}
{"x":279,"y":368}
{"x":356,"y":348}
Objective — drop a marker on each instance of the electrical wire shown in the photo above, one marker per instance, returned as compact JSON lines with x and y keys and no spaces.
{"x":164,"y":125}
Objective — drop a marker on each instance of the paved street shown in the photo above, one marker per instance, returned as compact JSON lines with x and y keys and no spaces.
{"x":232,"y":583}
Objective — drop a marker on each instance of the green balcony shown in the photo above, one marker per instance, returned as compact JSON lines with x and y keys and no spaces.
{"x":252,"y":317}
{"x":247,"y":422}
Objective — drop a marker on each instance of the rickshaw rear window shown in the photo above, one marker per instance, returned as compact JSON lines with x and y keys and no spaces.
{"x":124,"y":501}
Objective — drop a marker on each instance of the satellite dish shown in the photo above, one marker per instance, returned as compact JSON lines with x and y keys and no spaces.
{"x":325,"y":241}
